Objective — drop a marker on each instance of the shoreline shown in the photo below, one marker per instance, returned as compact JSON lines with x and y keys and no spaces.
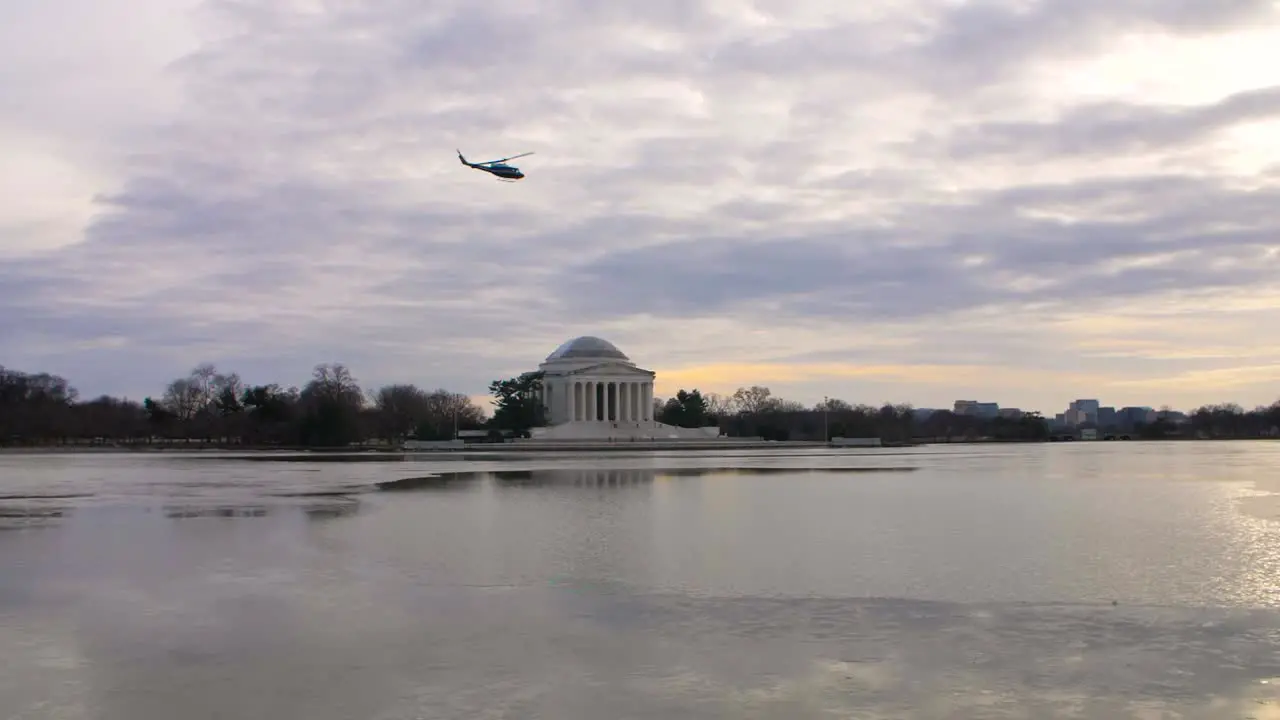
{"x":390,"y":453}
{"x":369,"y":452}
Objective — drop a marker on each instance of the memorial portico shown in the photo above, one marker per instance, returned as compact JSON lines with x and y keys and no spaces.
{"x":600,"y":400}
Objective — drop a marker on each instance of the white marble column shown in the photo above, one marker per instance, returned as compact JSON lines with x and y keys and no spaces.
{"x":589,"y":393}
{"x":624,"y":404}
{"x":646,"y":402}
{"x":635,"y":402}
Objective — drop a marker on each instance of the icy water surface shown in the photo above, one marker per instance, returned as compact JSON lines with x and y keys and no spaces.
{"x":1090,"y":580}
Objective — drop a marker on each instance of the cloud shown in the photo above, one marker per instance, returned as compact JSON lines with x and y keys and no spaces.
{"x":998,"y":249}
{"x":957,"y":48}
{"x":1113,"y":127}
{"x":806,"y":191}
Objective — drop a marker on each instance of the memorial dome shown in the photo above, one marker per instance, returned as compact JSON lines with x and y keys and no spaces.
{"x":587,"y":347}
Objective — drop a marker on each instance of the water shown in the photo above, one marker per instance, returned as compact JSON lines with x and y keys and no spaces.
{"x":1091,"y":580}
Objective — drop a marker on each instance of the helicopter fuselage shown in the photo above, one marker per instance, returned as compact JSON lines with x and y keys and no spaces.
{"x":502,"y":171}
{"x":498,"y":168}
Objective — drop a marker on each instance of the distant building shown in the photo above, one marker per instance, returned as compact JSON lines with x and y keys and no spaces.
{"x":1011,"y":413}
{"x":1075,"y":417}
{"x":1106,"y":417}
{"x":1088,"y":407}
{"x":922,"y":414}
{"x":1129,"y":417}
{"x":973,"y":408}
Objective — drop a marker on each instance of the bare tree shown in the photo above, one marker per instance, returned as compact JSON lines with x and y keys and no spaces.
{"x":400,"y":409}
{"x":333,"y":382}
{"x":753,"y":400}
{"x":204,"y":379}
{"x":231,"y":397}
{"x":717,"y":404}
{"x":229,"y":385}
{"x":331,"y":408}
{"x":182,"y":397}
{"x":785,"y":406}
{"x":449,"y":410}
{"x":833,"y":405}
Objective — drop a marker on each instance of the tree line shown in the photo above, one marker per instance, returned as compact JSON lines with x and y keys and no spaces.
{"x":756,"y":412}
{"x":211,"y":407}
{"x":216,"y":408}
{"x":1229,"y":420}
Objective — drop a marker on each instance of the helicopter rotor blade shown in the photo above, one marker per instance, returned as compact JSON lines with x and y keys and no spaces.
{"x":513,"y":157}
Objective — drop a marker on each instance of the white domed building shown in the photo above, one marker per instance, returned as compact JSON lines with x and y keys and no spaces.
{"x":592,"y":391}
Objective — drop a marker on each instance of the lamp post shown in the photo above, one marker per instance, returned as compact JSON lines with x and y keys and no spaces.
{"x":826,"y":427}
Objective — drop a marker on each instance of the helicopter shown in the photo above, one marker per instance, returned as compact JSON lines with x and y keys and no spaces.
{"x":498,"y":168}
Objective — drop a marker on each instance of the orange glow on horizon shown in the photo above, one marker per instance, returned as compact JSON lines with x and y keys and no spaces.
{"x":724,"y":378}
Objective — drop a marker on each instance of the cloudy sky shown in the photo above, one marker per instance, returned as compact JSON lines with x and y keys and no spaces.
{"x":1021,"y":201}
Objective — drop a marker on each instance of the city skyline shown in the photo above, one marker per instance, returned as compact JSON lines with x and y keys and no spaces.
{"x":883,"y":201}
